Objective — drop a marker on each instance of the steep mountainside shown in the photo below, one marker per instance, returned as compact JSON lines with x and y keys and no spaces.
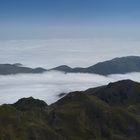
{"x":110,"y":112}
{"x":118,"y":93}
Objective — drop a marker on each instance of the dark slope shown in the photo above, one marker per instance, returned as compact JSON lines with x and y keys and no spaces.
{"x":115,"y":66}
{"x":29,"y":103}
{"x":119,"y":93}
{"x":6,"y":69}
{"x":77,"y":116}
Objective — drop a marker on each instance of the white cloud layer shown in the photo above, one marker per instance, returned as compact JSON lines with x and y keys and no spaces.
{"x":55,"y":52}
{"x":49,"y":85}
{"x":72,"y":52}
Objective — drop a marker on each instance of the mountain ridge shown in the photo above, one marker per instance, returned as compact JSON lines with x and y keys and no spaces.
{"x":117,"y":65}
{"x":76,"y":116}
{"x":8,"y":69}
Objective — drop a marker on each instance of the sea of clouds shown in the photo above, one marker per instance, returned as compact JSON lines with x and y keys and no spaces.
{"x":54,"y":52}
{"x":49,"y":85}
{"x":72,"y":52}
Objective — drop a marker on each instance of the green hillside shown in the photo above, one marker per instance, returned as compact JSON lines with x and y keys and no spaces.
{"x":92,"y":115}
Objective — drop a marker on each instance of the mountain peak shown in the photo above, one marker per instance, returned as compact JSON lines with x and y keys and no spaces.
{"x":63,"y":68}
{"x":118,"y":65}
{"x":125,"y":82}
{"x":29,"y":103}
{"x":118,"y":93}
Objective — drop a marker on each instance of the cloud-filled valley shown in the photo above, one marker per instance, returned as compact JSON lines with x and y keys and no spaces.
{"x":54,"y":52}
{"x":49,"y":85}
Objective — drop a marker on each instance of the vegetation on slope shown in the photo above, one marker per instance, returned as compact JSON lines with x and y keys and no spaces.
{"x":94,"y":115}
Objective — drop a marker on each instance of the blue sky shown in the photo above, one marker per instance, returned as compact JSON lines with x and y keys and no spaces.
{"x":42,"y":19}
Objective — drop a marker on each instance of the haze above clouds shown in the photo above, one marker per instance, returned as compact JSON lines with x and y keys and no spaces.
{"x":49,"y":85}
{"x":73,"y":52}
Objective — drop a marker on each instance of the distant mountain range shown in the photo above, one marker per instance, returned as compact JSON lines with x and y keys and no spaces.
{"x":110,"y":112}
{"x":7,"y":69}
{"x":115,"y":66}
{"x":120,"y":65}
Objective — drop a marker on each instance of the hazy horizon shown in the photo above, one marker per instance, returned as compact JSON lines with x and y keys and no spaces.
{"x":49,"y":33}
{"x":64,"y":19}
{"x":72,"y":52}
{"x":77,"y":33}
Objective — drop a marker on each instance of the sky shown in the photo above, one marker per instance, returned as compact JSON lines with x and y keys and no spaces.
{"x":43,"y":19}
{"x":50,"y":33}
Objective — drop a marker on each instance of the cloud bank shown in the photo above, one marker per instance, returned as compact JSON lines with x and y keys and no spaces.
{"x":49,"y":85}
{"x":73,"y":52}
